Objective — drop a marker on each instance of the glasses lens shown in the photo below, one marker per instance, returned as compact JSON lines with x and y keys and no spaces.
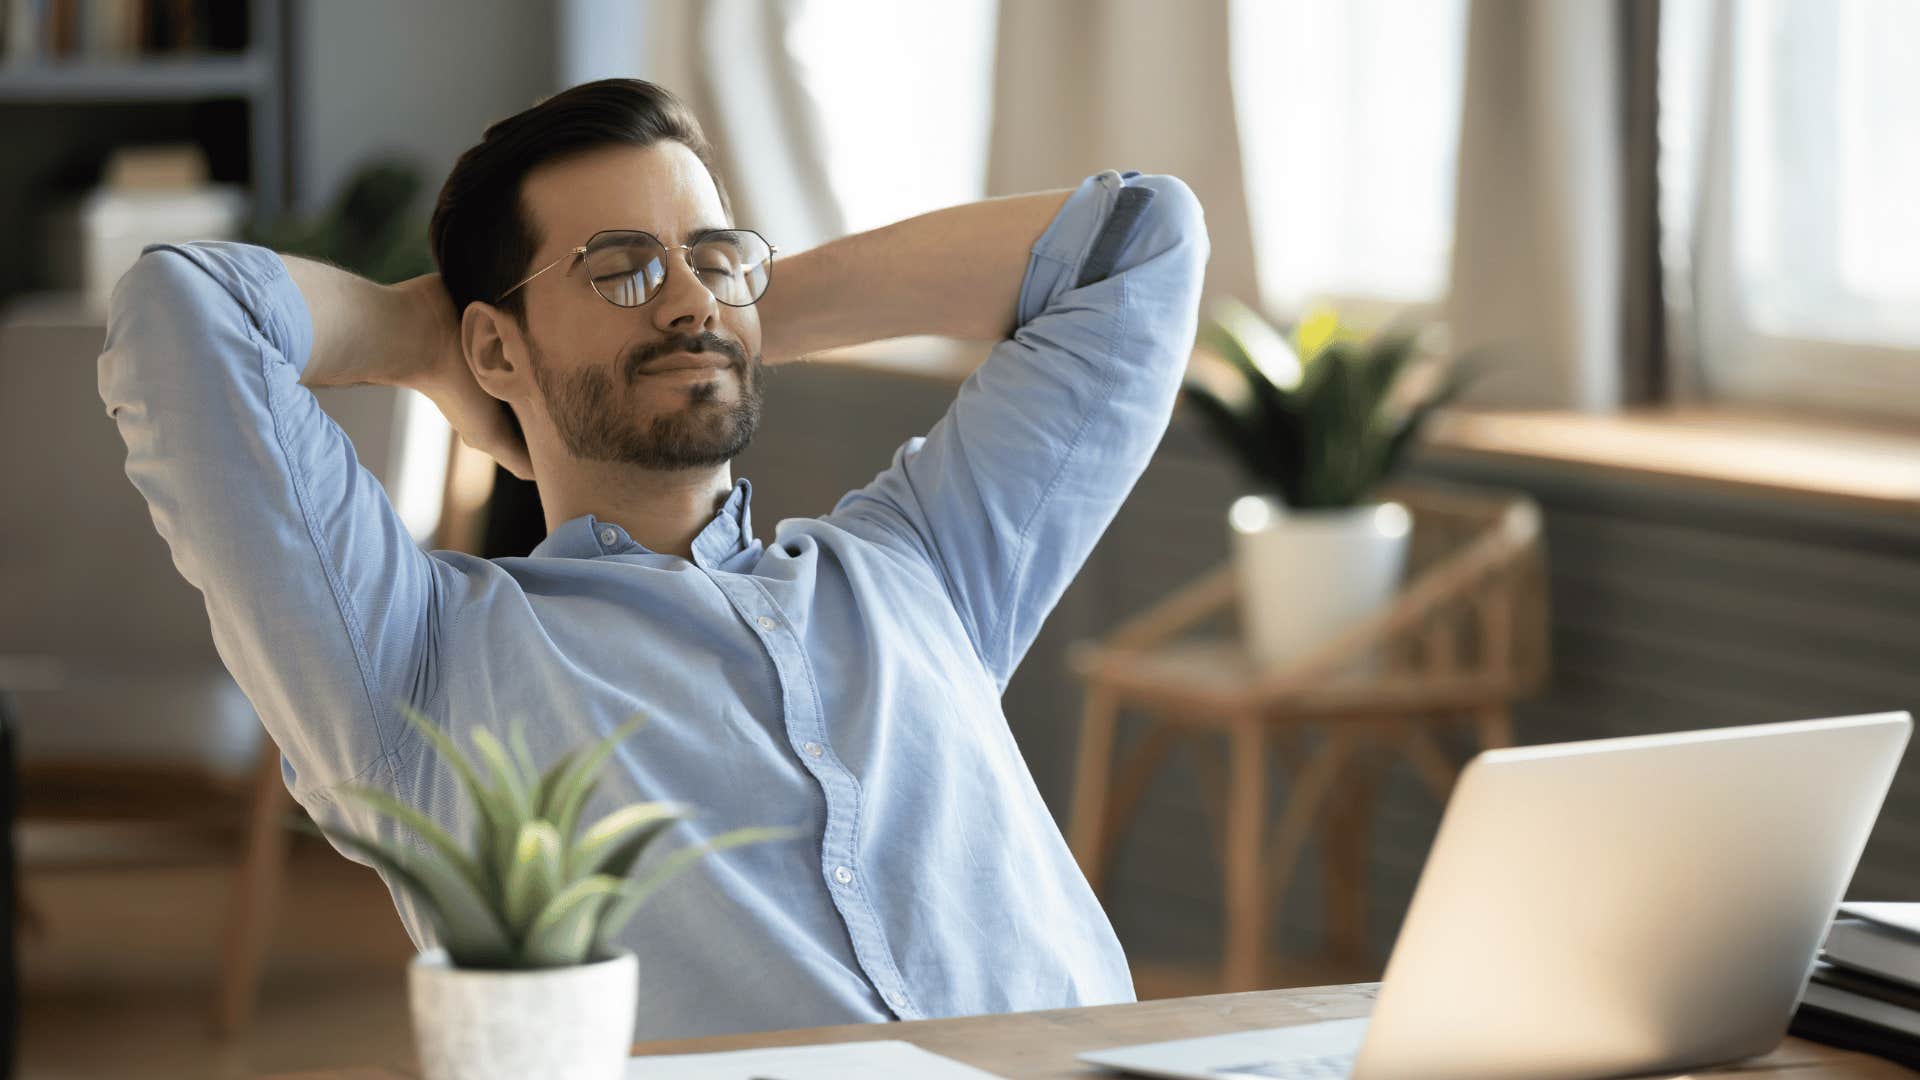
{"x":626,"y":268}
{"x":734,"y":265}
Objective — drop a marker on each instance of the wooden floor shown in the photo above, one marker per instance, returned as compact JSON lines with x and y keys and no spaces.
{"x":118,"y":975}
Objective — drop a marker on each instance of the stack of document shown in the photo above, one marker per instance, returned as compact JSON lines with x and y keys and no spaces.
{"x":1865,"y":990}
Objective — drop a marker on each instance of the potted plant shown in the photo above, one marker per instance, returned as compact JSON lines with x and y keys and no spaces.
{"x":1318,"y":423}
{"x":528,"y":980}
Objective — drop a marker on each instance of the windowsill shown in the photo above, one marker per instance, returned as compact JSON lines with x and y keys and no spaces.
{"x":1836,"y":464}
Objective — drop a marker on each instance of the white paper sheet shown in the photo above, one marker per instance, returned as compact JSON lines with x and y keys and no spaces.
{"x":885,"y":1060}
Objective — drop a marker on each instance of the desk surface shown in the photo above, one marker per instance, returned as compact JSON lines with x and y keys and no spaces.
{"x":1042,"y":1045}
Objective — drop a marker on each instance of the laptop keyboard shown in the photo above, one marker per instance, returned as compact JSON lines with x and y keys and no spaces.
{"x":1329,"y":1067}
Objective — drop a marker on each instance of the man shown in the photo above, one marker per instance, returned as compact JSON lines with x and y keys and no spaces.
{"x":845,"y":676}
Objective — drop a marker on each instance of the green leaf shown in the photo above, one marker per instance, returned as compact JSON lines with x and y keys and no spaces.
{"x":612,"y":844}
{"x":535,"y":874}
{"x":636,"y":893}
{"x":423,"y":826}
{"x":497,"y":824}
{"x":464,"y":922}
{"x":1383,"y":361}
{"x":564,"y":931}
{"x":506,"y":775}
{"x":571,"y":790}
{"x":549,"y":781}
{"x":523,"y":757}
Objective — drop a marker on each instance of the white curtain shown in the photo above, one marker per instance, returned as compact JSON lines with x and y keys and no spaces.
{"x":1085,"y":85}
{"x":734,"y":63}
{"x":1538,"y":240}
{"x":1792,"y":237}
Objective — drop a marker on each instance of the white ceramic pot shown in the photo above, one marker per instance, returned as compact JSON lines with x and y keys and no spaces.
{"x":572,"y":1023}
{"x":1306,"y":575}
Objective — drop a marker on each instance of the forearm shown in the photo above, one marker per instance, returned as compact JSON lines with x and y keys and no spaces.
{"x":363,"y":332}
{"x":953,"y":272}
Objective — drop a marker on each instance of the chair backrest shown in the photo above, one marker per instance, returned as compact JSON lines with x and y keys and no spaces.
{"x":85,"y":579}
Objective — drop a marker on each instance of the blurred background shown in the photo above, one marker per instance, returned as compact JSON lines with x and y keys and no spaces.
{"x":1678,"y":237}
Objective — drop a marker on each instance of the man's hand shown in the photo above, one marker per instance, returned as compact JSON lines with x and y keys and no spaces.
{"x":444,"y":377}
{"x":401,"y":335}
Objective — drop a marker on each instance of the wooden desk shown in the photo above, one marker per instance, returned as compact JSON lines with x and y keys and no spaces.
{"x":1041,"y":1045}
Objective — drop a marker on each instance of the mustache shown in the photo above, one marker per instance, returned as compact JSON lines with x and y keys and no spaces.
{"x":640,"y":356}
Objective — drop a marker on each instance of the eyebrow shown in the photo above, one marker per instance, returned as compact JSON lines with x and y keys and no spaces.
{"x":705,"y":231}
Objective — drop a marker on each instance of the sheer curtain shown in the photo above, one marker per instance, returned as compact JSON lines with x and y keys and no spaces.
{"x":905,"y":96}
{"x":828,"y":116}
{"x":1792,"y":231}
{"x":1085,"y":85}
{"x":1349,"y":119}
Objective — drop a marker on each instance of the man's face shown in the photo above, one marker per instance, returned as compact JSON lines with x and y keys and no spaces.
{"x":672,"y":384}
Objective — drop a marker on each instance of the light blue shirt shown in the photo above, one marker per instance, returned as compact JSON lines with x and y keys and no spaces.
{"x":845,"y":675}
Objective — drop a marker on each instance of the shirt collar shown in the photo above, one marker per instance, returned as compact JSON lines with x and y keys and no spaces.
{"x":728,"y":535}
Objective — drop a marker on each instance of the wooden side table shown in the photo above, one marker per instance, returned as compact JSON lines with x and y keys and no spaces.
{"x":1464,"y":639}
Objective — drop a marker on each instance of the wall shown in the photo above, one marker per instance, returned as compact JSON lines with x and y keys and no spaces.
{"x":422,"y":79}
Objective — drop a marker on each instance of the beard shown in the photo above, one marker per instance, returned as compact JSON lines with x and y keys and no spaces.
{"x":596,"y":424}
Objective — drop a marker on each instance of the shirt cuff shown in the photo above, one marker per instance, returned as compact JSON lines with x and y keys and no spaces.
{"x":258,"y":279}
{"x":1080,"y":231}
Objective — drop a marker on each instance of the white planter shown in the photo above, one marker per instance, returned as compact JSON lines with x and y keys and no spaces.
{"x":573,"y":1023}
{"x":1307,"y":575}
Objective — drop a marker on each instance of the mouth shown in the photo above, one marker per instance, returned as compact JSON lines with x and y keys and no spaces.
{"x":686,"y":361}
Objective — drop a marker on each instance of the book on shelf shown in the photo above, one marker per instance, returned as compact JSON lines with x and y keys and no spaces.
{"x":64,"y":31}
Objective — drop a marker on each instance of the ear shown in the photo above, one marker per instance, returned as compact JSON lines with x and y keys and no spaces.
{"x":496,"y":350}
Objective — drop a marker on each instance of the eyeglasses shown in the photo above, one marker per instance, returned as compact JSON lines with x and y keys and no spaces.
{"x":628,"y":267}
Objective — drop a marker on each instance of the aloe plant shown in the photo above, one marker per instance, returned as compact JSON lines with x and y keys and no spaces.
{"x":1320,"y":425}
{"x":536,"y":890}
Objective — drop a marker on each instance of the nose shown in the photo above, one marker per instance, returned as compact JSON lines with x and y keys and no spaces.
{"x":684,"y":304}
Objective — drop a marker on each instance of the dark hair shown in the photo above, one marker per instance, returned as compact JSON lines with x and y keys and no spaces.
{"x":482,"y":236}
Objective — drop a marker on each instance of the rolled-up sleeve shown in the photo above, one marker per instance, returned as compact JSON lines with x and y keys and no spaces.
{"x":1008,"y":493}
{"x":320,"y":602}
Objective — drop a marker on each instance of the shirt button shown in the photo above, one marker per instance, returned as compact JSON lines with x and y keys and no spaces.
{"x":895,"y":1001}
{"x":813,"y":749}
{"x":843,"y":875}
{"x":767,"y":623}
{"x":608,"y":536}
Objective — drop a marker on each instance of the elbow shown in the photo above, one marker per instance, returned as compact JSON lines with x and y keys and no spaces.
{"x":1178,"y":225}
{"x":161,"y":291}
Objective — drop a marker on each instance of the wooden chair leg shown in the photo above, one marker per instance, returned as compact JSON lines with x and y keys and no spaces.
{"x":255,"y":895}
{"x":1344,"y":862}
{"x":1092,"y":773}
{"x":1430,"y":762}
{"x":1305,"y":797}
{"x":1495,"y":727}
{"x":1249,"y":911}
{"x":1135,"y":774}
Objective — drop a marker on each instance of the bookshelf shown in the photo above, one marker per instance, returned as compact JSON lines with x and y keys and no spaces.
{"x":65,"y":106}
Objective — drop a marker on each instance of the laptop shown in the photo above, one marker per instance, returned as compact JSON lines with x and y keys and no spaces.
{"x":1600,"y":908}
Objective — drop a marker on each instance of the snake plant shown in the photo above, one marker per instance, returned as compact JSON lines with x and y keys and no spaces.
{"x":537,"y":889}
{"x":1322,"y":420}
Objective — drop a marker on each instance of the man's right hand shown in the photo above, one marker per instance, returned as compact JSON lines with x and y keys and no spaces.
{"x":402,"y":335}
{"x":479,"y":417}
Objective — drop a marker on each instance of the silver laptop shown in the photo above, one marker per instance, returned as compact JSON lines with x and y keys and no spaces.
{"x":1601,"y":909}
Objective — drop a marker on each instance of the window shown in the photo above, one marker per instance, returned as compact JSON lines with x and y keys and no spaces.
{"x":1788,"y":129}
{"x":1349,"y":119}
{"x":906,"y":97}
